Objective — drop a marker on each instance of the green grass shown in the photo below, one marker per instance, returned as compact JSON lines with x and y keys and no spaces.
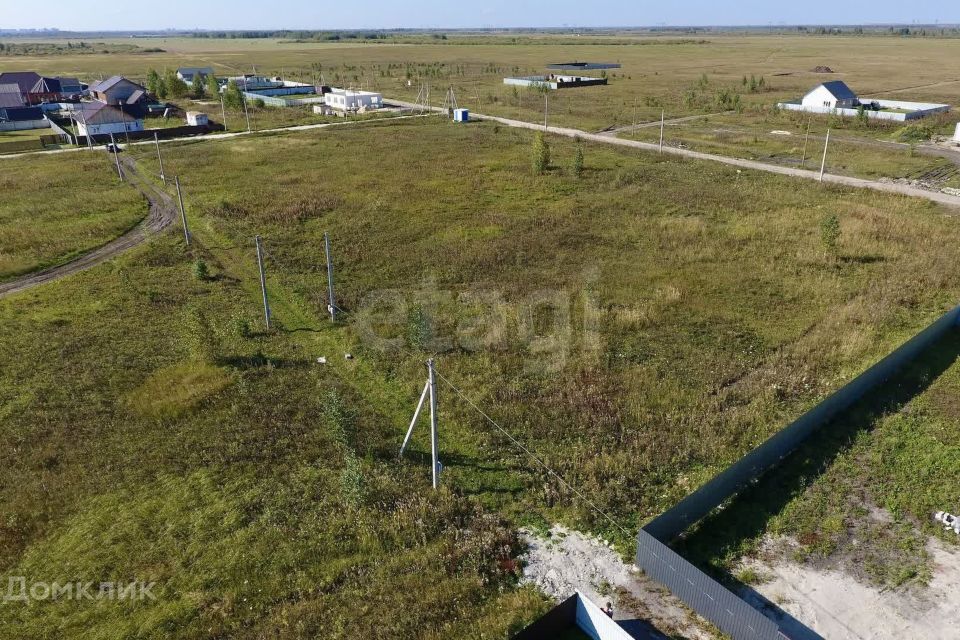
{"x":639,"y":328}
{"x":55,"y":208}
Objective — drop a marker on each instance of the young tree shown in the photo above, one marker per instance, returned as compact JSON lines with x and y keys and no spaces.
{"x":197,"y":89}
{"x":541,"y":153}
{"x":176,"y":87}
{"x":153,"y":81}
{"x":232,"y":96}
{"x":213,"y":87}
{"x":830,"y":231}
{"x":162,"y":91}
{"x":577,"y":168}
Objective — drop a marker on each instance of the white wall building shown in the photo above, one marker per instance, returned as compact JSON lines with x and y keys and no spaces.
{"x":97,"y":119}
{"x":352,"y":100}
{"x":832,"y":95}
{"x":197,"y":119}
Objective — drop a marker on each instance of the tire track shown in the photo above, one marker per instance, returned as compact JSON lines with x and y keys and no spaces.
{"x":161,"y":215}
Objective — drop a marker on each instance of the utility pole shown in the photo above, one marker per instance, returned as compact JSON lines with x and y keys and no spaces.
{"x":183,"y":213}
{"x":806,"y":138}
{"x":823,"y":165}
{"x":263,"y":283}
{"x":546,"y":106}
{"x":663,"y":114}
{"x":429,"y":389}
{"x":245,"y":112}
{"x":116,"y":157}
{"x":223,"y":112}
{"x":434,"y":448}
{"x":156,"y":140}
{"x":331,"y":302}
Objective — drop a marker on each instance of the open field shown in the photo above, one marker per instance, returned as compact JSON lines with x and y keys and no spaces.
{"x":639,"y":327}
{"x":57,"y":208}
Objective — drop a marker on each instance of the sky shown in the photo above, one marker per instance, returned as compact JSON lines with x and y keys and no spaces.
{"x":384,"y":14}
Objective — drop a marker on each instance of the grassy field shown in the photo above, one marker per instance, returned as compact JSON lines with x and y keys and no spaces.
{"x":58,"y":207}
{"x":639,"y":327}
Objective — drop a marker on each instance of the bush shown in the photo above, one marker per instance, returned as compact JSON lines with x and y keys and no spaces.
{"x":541,"y":154}
{"x":200,"y":270}
{"x":577,"y":168}
{"x":830,"y":231}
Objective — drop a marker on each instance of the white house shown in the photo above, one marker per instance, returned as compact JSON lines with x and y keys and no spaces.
{"x":831,"y":95}
{"x":352,"y":100}
{"x":96,"y":119}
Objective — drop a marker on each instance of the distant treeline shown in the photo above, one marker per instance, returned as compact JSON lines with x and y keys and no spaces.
{"x":67,"y":48}
{"x":305,"y":36}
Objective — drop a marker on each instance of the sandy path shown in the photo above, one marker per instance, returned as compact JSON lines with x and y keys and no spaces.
{"x":162,"y":213}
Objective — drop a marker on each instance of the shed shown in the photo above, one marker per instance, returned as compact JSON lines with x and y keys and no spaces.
{"x":461,"y":115}
{"x":832,"y":95}
{"x":197,"y":119}
{"x":577,"y":616}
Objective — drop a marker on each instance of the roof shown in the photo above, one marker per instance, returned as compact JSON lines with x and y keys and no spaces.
{"x":10,"y":96}
{"x":194,"y":114}
{"x":69,"y":83}
{"x":194,"y":70}
{"x":98,"y":113}
{"x":21,"y":114}
{"x":112,"y":81}
{"x":46,"y":85}
{"x":582,"y":66}
{"x":137,"y":96}
{"x":838,"y":89}
{"x":23,"y":79}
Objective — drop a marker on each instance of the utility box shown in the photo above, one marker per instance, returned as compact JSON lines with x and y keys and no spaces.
{"x":461,"y":115}
{"x":197,"y":119}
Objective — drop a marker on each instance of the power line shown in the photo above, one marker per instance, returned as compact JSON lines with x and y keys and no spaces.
{"x":532,"y":455}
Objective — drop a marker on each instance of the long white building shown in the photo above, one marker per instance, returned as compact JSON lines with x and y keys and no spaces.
{"x":352,"y":100}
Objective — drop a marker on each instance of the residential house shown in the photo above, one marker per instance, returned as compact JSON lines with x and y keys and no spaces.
{"x":98,"y":119}
{"x":25,"y":81}
{"x":125,"y":94}
{"x":16,"y":118}
{"x":831,"y":95}
{"x":187,"y":74}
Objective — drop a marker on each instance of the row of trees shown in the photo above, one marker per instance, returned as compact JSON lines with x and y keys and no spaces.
{"x":168,"y":85}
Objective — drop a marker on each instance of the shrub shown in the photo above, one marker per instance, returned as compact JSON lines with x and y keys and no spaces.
{"x":830,"y":231}
{"x":200,"y":270}
{"x":541,"y":154}
{"x":577,"y":168}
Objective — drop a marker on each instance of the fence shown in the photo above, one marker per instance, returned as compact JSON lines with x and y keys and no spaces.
{"x":700,"y":592}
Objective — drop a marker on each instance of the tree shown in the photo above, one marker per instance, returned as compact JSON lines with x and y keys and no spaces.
{"x":577,"y":167}
{"x":830,"y":231}
{"x":153,"y":81}
{"x":162,"y":91}
{"x":213,"y":87}
{"x":176,"y":87}
{"x":232,"y":97}
{"x":197,"y":88}
{"x":541,"y":153}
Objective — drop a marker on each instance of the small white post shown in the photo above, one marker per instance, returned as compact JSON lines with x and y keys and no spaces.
{"x":263,"y":283}
{"x":183,"y":213}
{"x":156,"y":139}
{"x":823,"y":165}
{"x":663,"y":114}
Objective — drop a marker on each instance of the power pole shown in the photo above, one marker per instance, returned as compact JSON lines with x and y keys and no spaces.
{"x":331,"y":302}
{"x":434,"y":448}
{"x":429,"y":389}
{"x":223,"y":112}
{"x":806,"y":138}
{"x":156,"y":140}
{"x":183,"y":213}
{"x":116,"y":157}
{"x":245,"y":112}
{"x":546,"y":107}
{"x":663,"y":114}
{"x":263,"y":283}
{"x":823,"y":165}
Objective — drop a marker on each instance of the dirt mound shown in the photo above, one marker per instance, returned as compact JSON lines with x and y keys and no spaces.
{"x":822,"y":69}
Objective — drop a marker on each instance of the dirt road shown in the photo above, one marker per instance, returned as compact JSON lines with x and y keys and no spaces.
{"x":163,"y":212}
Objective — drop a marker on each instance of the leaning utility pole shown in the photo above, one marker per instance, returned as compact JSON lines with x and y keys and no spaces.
{"x":823,"y":165}
{"x":156,"y":140}
{"x":430,"y":388}
{"x":116,"y":157}
{"x":246,"y":113}
{"x":663,"y":114}
{"x":263,"y":283}
{"x":806,"y":138}
{"x":331,"y":302}
{"x":183,"y":213}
